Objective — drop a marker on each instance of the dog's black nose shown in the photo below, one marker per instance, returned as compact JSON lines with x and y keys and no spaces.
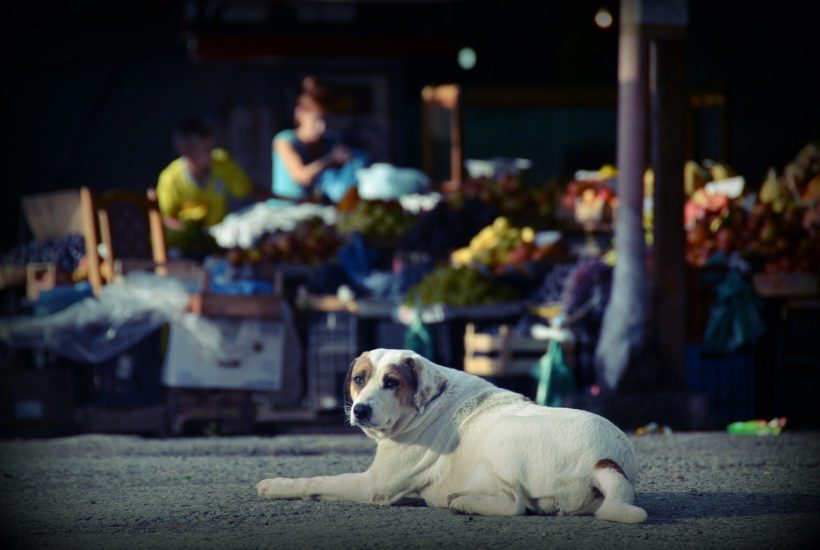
{"x":362,"y":412}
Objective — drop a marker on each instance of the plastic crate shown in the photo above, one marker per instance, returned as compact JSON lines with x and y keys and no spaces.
{"x":36,"y":402}
{"x":131,"y":379}
{"x":728,"y":381}
{"x":385,"y":332}
{"x":797,"y":363}
{"x":332,"y":343}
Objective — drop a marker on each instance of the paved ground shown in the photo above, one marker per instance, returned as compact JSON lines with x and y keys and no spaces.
{"x":702,"y":490}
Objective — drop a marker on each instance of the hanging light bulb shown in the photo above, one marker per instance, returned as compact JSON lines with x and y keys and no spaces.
{"x":466,"y":58}
{"x":603,"y":19}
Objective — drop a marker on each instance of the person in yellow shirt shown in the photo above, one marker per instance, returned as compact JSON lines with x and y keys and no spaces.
{"x":194,"y":191}
{"x":196,"y":187}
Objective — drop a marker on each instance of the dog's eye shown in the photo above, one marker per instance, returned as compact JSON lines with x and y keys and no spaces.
{"x":390,"y":383}
{"x":358,"y":380}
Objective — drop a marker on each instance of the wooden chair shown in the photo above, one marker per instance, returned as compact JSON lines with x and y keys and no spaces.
{"x":129,"y":226}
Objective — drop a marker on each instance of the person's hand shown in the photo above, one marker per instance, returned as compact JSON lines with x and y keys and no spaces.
{"x":172,"y":223}
{"x":339,"y":155}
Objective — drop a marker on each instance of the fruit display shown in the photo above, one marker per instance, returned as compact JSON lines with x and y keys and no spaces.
{"x":375,"y":219}
{"x":527,"y":204}
{"x":245,"y":227}
{"x":428,"y":233}
{"x":590,"y":197}
{"x":775,"y":232}
{"x":65,"y":251}
{"x":311,"y":242}
{"x":500,"y":246}
{"x":457,"y":286}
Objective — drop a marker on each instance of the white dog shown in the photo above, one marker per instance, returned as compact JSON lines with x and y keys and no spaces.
{"x":461,"y":443}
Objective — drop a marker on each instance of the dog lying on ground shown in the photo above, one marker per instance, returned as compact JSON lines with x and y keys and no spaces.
{"x":459,"y":442}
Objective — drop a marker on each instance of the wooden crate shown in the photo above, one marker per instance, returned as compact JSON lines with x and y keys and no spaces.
{"x":265,"y":306}
{"x":786,"y":285}
{"x":40,"y":276}
{"x":502,"y":354}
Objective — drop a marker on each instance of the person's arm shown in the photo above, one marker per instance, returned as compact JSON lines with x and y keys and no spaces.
{"x":238,"y":183}
{"x":305,"y":173}
{"x":169,"y":206}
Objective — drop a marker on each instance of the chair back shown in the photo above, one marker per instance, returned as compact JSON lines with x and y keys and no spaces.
{"x":129,"y":226}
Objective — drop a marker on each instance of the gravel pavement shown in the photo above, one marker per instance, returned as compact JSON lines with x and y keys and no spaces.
{"x":701,"y":490}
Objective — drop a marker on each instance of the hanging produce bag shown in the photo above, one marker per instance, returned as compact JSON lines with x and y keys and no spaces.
{"x":417,"y":338}
{"x":555,"y":379}
{"x":734,"y":320}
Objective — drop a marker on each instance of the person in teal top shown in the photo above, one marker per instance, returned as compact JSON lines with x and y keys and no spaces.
{"x":301,"y":155}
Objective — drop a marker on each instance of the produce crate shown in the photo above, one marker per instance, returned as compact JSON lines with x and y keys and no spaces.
{"x":502,"y":354}
{"x":786,"y":285}
{"x":12,"y":276}
{"x":267,"y":306}
{"x":728,"y":381}
{"x":131,"y":379}
{"x":385,"y":332}
{"x":40,"y":276}
{"x":797,"y":362}
{"x":332,"y":343}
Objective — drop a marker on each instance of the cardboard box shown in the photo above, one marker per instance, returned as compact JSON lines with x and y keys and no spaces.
{"x":53,"y":215}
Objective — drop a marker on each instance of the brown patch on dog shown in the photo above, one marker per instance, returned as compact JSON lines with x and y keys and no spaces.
{"x":406,"y":391}
{"x":423,"y":394}
{"x":609,"y":463}
{"x":361,"y":366}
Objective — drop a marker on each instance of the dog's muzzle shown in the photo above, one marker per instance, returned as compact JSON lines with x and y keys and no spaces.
{"x":362,"y":413}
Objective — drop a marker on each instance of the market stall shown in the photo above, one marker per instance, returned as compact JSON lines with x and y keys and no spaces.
{"x":500,"y":278}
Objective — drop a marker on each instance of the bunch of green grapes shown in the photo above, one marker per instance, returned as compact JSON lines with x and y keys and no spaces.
{"x":376,"y":219}
{"x":458,"y":286}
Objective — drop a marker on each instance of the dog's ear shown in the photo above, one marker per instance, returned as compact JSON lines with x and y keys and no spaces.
{"x":348,"y":402}
{"x":429,"y":382}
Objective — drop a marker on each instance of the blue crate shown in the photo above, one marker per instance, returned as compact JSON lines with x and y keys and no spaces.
{"x":59,"y":298}
{"x":728,"y":380}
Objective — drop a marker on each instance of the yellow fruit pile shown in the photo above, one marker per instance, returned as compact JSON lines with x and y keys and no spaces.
{"x":498,"y":245}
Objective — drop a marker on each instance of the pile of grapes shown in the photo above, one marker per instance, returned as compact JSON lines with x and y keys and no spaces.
{"x":458,"y":286}
{"x":380,"y":219}
{"x":64,"y":251}
{"x":588,"y":286}
{"x":552,"y":287}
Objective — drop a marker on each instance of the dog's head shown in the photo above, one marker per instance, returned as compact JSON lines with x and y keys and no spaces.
{"x":386,"y":389}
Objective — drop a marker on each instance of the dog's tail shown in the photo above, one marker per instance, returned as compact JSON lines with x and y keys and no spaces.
{"x":610,"y":479}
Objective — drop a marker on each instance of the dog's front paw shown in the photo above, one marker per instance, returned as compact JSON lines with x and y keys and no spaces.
{"x":274,"y":488}
{"x":456,"y":502}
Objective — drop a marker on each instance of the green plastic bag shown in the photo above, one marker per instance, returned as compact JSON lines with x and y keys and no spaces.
{"x":735,"y":319}
{"x":555,"y":378}
{"x":417,"y":338}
